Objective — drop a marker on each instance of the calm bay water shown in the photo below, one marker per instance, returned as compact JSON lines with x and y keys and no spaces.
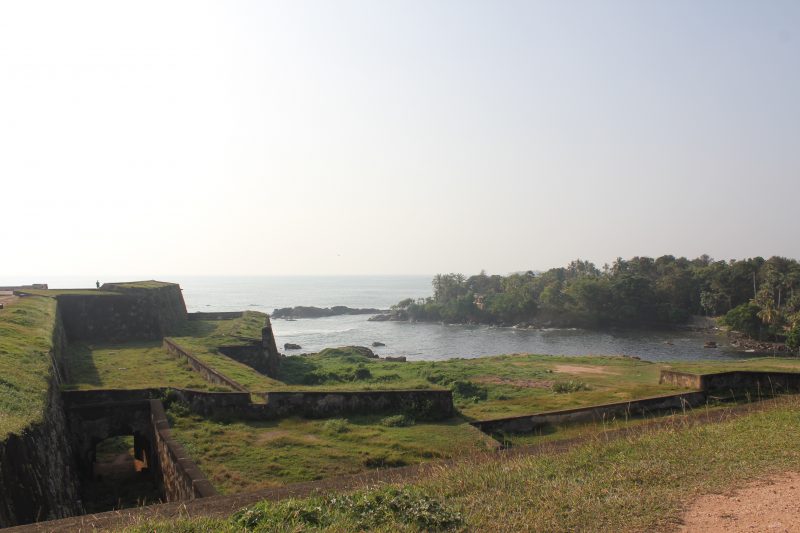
{"x":416,"y":341}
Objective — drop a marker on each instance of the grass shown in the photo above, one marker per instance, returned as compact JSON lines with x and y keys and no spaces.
{"x":779,"y":364}
{"x":130,"y":366}
{"x":52,"y":293}
{"x":486,"y":387}
{"x":26,"y":339}
{"x":246,"y":376}
{"x":203,"y":337}
{"x":243,"y":456}
{"x":148,"y":284}
{"x":636,"y":483}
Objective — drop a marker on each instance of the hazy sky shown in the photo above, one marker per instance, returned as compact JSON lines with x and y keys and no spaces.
{"x":381,"y":137}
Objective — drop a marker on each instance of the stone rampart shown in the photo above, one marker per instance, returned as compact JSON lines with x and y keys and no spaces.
{"x":38,"y":478}
{"x":181,"y":479}
{"x":764,"y":382}
{"x":431,"y":404}
{"x":684,"y":380}
{"x":644,"y":406}
{"x":121,"y":314}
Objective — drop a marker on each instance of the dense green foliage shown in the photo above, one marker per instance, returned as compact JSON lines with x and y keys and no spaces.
{"x":638,"y":292}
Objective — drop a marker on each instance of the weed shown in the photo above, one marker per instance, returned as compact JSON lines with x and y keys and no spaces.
{"x":572,"y":385}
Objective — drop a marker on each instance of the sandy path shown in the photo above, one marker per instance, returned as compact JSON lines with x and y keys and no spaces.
{"x":772,"y":505}
{"x":576,"y":369}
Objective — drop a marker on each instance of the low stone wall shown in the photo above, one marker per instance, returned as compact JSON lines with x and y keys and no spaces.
{"x":206,"y":371}
{"x":200,"y":402}
{"x":181,"y":479}
{"x":252,"y":355}
{"x":738,"y":380}
{"x":644,"y":406}
{"x":224,"y":315}
{"x":431,"y":404}
{"x":684,"y":380}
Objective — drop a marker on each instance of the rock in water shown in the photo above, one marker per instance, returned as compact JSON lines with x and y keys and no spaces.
{"x":290,"y":346}
{"x":377,"y":344}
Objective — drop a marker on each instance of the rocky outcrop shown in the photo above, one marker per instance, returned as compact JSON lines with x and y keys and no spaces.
{"x":320,"y":312}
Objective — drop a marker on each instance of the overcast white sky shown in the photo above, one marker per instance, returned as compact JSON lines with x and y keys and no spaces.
{"x":402,"y":137}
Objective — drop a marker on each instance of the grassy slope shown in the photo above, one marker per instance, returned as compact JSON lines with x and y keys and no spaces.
{"x":130,"y":366}
{"x":515,"y":384}
{"x":26,"y":331}
{"x":631,"y":484}
{"x":244,"y":456}
{"x":202,"y":337}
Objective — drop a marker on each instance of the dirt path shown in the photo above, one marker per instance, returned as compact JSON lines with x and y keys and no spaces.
{"x":225,"y":505}
{"x":772,"y":505}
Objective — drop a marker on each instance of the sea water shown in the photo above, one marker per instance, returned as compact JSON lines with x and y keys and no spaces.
{"x":414,"y":340}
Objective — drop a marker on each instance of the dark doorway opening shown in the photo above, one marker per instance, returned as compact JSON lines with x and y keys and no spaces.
{"x":121,"y":475}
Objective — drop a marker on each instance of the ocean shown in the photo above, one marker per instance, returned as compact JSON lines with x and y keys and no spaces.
{"x":414,"y":340}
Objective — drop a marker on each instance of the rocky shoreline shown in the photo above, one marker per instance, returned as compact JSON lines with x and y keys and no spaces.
{"x":301,"y":311}
{"x":746,"y":344}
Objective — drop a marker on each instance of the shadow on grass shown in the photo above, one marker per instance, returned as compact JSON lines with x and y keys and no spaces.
{"x":81,"y":368}
{"x":295,"y":370}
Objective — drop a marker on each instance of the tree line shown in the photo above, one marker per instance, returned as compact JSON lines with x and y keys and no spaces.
{"x":759,"y":297}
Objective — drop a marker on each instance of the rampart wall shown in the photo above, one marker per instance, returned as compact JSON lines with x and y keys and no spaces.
{"x":129,"y":314}
{"x":432,"y":404}
{"x":38,"y":478}
{"x":181,"y":479}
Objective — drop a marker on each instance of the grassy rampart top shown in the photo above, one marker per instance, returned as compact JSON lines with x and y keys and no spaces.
{"x":54,"y":293}
{"x":147,"y":284}
{"x":26,"y":338}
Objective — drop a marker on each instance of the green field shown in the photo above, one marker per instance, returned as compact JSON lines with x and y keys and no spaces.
{"x":243,"y":456}
{"x":637,"y":483}
{"x":26,"y":337}
{"x":485,"y":387}
{"x":130,"y":366}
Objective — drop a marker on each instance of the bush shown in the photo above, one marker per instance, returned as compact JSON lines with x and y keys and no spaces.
{"x":397,"y":421}
{"x":362,"y":373}
{"x":467,"y":390}
{"x":365,"y":510}
{"x":572,"y":385}
{"x":793,"y":338}
{"x":744,"y":319}
{"x":336,"y":425}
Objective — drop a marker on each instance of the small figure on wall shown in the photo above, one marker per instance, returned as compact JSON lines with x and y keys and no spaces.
{"x":97,"y":283}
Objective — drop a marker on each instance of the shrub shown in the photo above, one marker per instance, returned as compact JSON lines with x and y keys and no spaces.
{"x":793,"y":338}
{"x":572,"y":385}
{"x":365,"y":510}
{"x":336,"y":425}
{"x":382,"y":461}
{"x":362,"y":373}
{"x":467,"y":390}
{"x":397,"y":421}
{"x":744,"y":319}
